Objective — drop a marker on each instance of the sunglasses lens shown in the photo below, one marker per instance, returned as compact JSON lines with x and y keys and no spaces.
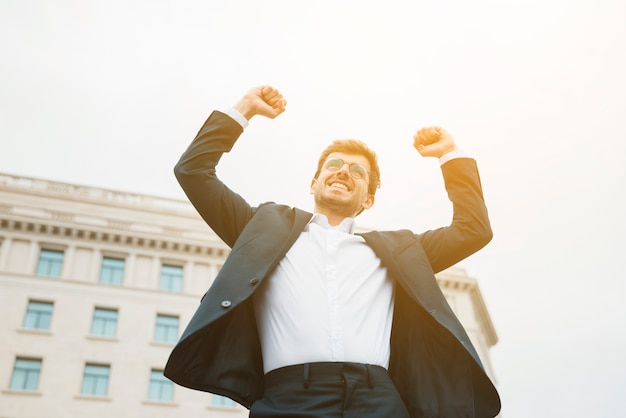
{"x":357,"y":171}
{"x":334,"y":164}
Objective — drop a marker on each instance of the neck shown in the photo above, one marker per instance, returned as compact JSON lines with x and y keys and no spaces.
{"x":334,"y":218}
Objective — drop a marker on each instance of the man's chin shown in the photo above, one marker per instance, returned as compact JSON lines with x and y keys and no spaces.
{"x":338,"y":205}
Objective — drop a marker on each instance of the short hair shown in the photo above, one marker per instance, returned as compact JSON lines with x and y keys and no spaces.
{"x":354,"y":146}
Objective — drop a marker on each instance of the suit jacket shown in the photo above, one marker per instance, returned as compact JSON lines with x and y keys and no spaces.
{"x":433,"y":364}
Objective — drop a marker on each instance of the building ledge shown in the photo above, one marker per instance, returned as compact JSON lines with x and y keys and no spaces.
{"x":35,"y":331}
{"x":102,"y":338}
{"x":92,"y":398}
{"x":233,"y":409}
{"x":22,"y":392}
{"x":159,"y":403}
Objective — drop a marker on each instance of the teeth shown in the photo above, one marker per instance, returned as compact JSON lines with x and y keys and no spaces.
{"x":339,"y":185}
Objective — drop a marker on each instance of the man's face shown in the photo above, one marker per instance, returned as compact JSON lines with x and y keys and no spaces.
{"x":339,"y":192}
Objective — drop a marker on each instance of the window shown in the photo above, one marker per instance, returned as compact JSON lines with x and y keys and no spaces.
{"x":104,"y":322}
{"x":166,"y":330}
{"x":26,"y":374}
{"x":171,"y":278}
{"x":95,"y":380}
{"x":161,"y":388}
{"x":112,"y":271}
{"x":50,"y":263}
{"x":218,"y":400}
{"x":38,"y":315}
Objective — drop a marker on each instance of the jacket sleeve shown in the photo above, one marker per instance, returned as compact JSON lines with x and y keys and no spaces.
{"x":470,"y":229}
{"x":224,"y":211}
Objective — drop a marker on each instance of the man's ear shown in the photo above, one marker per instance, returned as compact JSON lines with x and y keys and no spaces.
{"x":368,"y":202}
{"x":312,"y":189}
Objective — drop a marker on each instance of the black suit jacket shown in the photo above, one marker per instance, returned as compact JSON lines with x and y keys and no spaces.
{"x":433,"y":363}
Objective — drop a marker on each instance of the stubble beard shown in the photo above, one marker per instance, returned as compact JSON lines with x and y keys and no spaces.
{"x":336,"y":206}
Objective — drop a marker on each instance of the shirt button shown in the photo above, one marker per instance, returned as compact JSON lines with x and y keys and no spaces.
{"x":226,"y":304}
{"x":253,"y":281}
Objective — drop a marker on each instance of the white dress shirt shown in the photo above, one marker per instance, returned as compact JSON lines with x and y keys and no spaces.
{"x":329,"y":299}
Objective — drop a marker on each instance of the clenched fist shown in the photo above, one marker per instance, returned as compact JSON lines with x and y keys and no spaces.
{"x":433,"y":141}
{"x":262,"y":100}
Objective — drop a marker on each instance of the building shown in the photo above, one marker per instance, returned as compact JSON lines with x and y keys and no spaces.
{"x":97,"y":285}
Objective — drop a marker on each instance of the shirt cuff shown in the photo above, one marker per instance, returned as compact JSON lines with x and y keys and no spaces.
{"x":458,"y":153}
{"x":237,"y":116}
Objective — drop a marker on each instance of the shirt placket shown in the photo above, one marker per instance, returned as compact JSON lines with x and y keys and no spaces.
{"x":332,"y":286}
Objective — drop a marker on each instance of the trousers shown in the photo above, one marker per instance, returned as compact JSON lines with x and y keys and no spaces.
{"x":329,"y":390}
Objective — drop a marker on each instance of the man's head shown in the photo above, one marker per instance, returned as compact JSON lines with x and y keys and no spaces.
{"x":346,"y":179}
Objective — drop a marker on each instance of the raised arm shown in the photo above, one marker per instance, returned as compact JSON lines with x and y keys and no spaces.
{"x":470,"y":229}
{"x":224,"y":211}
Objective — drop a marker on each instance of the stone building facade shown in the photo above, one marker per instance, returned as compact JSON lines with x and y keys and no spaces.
{"x":97,"y":285}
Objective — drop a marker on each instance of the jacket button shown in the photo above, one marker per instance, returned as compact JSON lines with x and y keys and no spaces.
{"x":226,"y":304}
{"x":253,"y":281}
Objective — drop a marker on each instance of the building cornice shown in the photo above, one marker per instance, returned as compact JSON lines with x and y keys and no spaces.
{"x":111,"y":233}
{"x":95,"y":195}
{"x":190,"y":236}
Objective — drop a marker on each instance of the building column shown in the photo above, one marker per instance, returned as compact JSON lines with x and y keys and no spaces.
{"x":188,"y":277}
{"x":4,"y":252}
{"x":33,"y":256}
{"x":67,"y":271}
{"x":129,"y":269}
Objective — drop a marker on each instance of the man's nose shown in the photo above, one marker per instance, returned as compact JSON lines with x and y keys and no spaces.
{"x":343,"y":173}
{"x":345,"y":169}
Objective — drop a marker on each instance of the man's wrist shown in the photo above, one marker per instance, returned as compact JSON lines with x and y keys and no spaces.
{"x":237,"y":116}
{"x":457,"y":153}
{"x":245,"y":107}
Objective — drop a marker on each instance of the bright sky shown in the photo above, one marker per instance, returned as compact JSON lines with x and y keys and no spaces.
{"x":110,"y":93}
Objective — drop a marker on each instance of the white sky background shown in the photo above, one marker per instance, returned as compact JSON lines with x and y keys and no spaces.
{"x":110,"y":93}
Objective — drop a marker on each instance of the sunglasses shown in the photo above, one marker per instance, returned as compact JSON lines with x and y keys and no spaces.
{"x":356,"y":170}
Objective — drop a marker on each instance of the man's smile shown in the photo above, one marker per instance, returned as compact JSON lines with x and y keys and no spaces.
{"x":339,"y":185}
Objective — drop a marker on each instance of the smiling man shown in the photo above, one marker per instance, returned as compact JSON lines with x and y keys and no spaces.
{"x":309,"y":319}
{"x":342,"y":186}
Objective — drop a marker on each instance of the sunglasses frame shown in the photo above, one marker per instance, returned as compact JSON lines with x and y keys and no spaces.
{"x":351,"y":166}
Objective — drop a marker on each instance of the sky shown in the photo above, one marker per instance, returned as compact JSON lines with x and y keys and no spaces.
{"x":110,"y":93}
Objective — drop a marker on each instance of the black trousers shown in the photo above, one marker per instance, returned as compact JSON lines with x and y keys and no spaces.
{"x":329,"y":390}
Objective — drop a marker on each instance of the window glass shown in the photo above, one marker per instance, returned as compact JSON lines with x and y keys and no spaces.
{"x":38,"y":315}
{"x":112,"y":271}
{"x":50,"y":263}
{"x":166,"y":330}
{"x":171,"y":278}
{"x":218,"y":400}
{"x":104,"y":322}
{"x":26,"y":374}
{"x":95,"y":380}
{"x":161,"y":388}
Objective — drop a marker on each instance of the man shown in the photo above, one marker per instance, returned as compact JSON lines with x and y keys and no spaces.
{"x":308,"y":319}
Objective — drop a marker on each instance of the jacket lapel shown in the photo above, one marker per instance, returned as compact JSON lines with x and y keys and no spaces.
{"x":406,"y":261}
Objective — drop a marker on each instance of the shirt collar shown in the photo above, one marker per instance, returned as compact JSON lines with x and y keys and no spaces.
{"x":347,"y":225}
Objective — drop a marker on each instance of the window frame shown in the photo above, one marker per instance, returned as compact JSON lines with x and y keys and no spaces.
{"x":110,"y":273}
{"x":165,"y":329}
{"x":96,"y":379}
{"x":160,"y":388}
{"x":50,"y":262}
{"x":103,"y":323}
{"x":20,"y":382}
{"x":38,"y":316}
{"x":169,"y":282}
